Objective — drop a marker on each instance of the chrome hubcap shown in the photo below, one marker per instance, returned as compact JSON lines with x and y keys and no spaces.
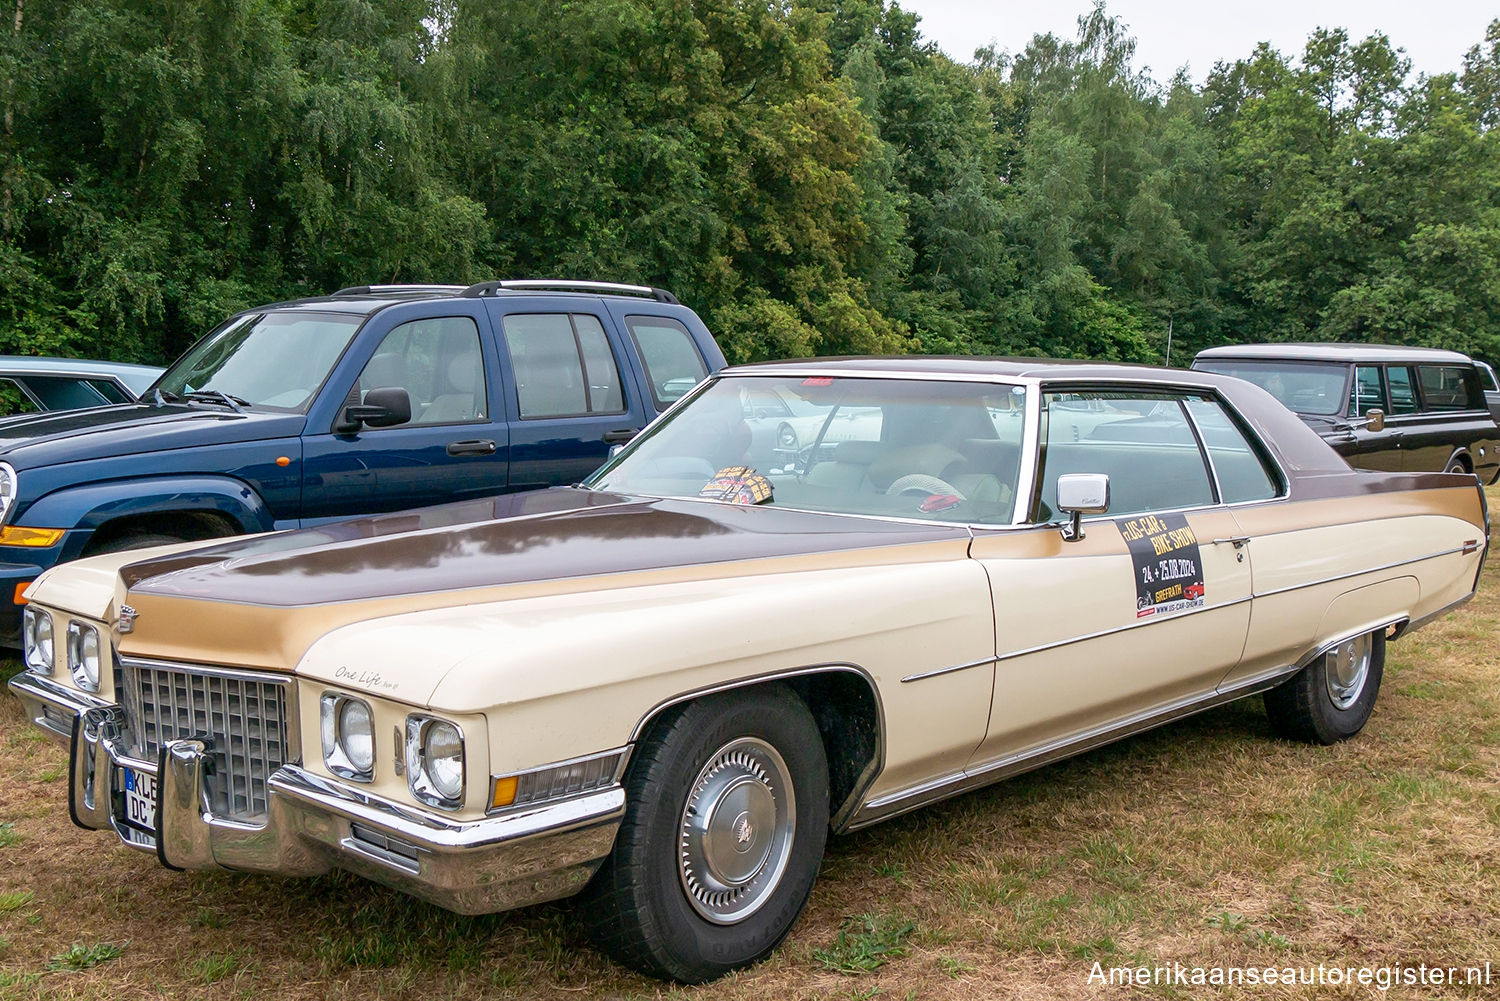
{"x":1346,"y":667}
{"x":736,"y":832}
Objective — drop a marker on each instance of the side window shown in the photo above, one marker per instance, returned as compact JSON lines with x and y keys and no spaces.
{"x":673,"y":364}
{"x":110,"y":391}
{"x":1403,"y":394}
{"x":1143,"y":442}
{"x":1449,"y":387}
{"x":13,"y":400}
{"x":1242,"y":472}
{"x":1367,"y":391}
{"x":440,"y":365}
{"x":563,"y":365}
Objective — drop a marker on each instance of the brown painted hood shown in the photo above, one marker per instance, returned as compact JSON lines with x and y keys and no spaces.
{"x":545,"y":535}
{"x":263,"y":602}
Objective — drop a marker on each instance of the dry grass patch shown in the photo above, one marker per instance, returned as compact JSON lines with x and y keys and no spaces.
{"x":1208,"y":843}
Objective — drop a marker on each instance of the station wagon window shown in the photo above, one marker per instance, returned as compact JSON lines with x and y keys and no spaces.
{"x":1303,"y":387}
{"x":1142,"y":441}
{"x":1367,"y":392}
{"x":1403,"y":394}
{"x":1241,"y":470}
{"x":563,"y":364}
{"x":439,"y":364}
{"x":673,"y":364}
{"x":1447,"y":387}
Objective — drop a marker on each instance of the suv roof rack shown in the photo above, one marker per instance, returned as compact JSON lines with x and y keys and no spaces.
{"x":490,"y":288}
{"x":379,"y":289}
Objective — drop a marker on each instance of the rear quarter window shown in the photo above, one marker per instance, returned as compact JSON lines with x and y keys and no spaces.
{"x":1450,"y":387}
{"x":669,"y":355}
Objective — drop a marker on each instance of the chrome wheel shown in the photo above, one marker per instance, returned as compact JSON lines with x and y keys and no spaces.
{"x":1346,"y":667}
{"x":737,"y":831}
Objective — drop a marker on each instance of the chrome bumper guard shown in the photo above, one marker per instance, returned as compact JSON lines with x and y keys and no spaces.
{"x":315,"y":824}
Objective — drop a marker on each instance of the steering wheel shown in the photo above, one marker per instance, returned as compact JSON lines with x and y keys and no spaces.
{"x":913,"y":482}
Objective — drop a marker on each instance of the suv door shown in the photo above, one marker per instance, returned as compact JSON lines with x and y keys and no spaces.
{"x":455,"y":444}
{"x":567,"y":400}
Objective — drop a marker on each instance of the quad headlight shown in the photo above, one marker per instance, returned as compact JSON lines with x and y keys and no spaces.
{"x":435,"y":761}
{"x":36,"y":638}
{"x":83,"y":655}
{"x":348,"y":736}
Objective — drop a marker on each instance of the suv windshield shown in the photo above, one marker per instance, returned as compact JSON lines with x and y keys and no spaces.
{"x":939,"y":451}
{"x":1303,"y":387}
{"x":273,"y":360}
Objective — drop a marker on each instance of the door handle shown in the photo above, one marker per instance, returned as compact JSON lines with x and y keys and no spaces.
{"x":474,"y":446}
{"x":1237,"y":541}
{"x":620,"y":436}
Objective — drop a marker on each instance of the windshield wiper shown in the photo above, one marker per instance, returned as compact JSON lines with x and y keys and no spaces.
{"x":215,"y":396}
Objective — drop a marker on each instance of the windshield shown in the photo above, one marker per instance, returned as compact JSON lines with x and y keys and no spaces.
{"x":1304,"y":387}
{"x":939,"y":451}
{"x":275,"y":360}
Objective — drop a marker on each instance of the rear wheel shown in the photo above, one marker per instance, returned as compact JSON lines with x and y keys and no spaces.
{"x":726,"y":821}
{"x":1330,"y":699}
{"x":1456,"y":466}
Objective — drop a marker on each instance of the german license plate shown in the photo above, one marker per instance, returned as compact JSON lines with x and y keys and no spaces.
{"x":140,"y":799}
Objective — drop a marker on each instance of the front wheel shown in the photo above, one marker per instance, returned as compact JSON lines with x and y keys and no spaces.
{"x":1330,"y":699}
{"x":724,"y":831}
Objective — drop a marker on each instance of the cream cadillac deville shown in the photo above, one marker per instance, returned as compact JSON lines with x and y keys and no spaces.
{"x":666,"y":686}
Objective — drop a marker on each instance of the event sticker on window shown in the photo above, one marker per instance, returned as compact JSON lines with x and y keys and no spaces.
{"x":737,"y":485}
{"x":1168,"y":570}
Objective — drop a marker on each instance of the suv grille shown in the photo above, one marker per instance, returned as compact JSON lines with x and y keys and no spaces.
{"x":244,"y":714}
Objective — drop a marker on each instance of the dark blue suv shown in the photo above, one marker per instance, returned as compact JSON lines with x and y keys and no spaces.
{"x":372,"y":399}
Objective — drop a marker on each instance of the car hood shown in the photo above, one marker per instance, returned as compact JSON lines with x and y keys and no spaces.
{"x":74,"y":435}
{"x":262,"y":601}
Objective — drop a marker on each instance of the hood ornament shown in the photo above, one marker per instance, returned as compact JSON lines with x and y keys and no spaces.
{"x":126,"y":622}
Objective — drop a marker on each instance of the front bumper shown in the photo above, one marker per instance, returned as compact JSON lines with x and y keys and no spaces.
{"x":315,"y":824}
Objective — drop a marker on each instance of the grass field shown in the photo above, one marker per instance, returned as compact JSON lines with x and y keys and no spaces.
{"x":1207,"y":843}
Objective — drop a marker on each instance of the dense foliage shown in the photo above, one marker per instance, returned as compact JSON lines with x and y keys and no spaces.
{"x":810,"y":175}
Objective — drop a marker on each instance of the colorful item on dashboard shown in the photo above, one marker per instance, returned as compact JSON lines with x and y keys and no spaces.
{"x":738,"y":485}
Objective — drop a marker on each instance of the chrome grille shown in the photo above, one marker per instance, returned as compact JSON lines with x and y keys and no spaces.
{"x":244,"y":714}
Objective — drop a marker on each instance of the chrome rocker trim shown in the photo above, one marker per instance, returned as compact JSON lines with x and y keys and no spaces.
{"x":315,"y":824}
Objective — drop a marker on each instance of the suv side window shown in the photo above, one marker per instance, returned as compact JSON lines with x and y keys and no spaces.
{"x":1142,"y":441}
{"x":1447,"y":387}
{"x":671,"y":359}
{"x":563,"y":364}
{"x":1403,"y":393}
{"x":440,"y":365}
{"x":1367,"y":391}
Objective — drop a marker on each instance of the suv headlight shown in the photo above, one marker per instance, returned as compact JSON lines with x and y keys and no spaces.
{"x":435,"y":761}
{"x":7,"y":489}
{"x":348,"y":736}
{"x":83,"y":655}
{"x":36,"y":630}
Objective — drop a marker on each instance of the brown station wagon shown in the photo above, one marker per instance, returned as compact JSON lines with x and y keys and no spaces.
{"x":1380,"y":406}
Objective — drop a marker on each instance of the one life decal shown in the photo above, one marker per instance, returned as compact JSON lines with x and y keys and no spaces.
{"x":1168,"y":571}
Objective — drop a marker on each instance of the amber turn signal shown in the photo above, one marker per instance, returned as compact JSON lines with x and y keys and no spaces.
{"x":505,"y":791}
{"x":40,"y":538}
{"x":20,"y":598}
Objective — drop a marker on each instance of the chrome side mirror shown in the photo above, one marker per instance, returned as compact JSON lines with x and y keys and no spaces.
{"x":1079,"y":494}
{"x":1375,"y":419}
